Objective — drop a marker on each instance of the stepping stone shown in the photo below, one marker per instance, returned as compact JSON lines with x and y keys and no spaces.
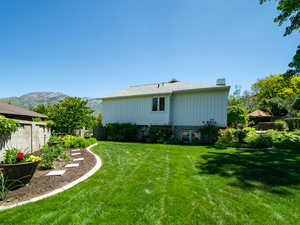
{"x":56,"y":173}
{"x":72,"y":165}
{"x":78,"y":159}
{"x":75,"y":150}
{"x":76,"y":153}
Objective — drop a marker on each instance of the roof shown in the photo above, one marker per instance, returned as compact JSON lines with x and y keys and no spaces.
{"x":10,"y":109}
{"x":258,"y":114}
{"x":161,"y":88}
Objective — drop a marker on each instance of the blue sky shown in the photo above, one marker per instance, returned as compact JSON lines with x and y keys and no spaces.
{"x":91,"y":47}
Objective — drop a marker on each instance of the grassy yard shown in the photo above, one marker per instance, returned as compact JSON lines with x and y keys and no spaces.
{"x":168,"y":184}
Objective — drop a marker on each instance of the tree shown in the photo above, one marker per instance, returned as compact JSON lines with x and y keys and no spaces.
{"x":41,"y":108}
{"x":289,"y":11}
{"x":70,"y":114}
{"x":275,"y":93}
{"x":296,"y":103}
{"x":237,"y":115}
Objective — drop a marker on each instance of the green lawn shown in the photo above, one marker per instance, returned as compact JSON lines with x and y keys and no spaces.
{"x":168,"y":184}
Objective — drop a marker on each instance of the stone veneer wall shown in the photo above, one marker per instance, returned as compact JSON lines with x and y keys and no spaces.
{"x":29,"y":137}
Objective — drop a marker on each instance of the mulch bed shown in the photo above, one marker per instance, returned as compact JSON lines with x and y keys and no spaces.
{"x":41,"y":184}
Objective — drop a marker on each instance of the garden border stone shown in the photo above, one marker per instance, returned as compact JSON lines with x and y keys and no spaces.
{"x":68,"y":186}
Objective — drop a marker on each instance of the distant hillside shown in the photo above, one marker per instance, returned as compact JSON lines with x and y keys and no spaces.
{"x":35,"y":98}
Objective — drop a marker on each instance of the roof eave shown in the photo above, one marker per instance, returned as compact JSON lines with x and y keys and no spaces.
{"x":225,"y":88}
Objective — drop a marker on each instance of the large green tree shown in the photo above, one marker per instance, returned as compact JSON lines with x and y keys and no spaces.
{"x":276,"y":93}
{"x":290,"y":14}
{"x":70,"y":114}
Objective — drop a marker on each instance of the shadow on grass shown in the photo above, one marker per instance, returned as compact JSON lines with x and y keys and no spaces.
{"x":268,"y":170}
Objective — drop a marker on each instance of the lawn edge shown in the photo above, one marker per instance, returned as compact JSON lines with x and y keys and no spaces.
{"x":67,"y":186}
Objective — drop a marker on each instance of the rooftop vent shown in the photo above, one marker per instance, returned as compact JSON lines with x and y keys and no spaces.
{"x":221,"y":82}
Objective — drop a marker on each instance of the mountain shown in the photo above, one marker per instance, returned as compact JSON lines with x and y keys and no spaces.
{"x":34,"y":98}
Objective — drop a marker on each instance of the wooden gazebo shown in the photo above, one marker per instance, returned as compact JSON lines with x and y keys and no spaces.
{"x":259,"y":114}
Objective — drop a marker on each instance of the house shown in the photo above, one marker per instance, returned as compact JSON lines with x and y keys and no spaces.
{"x":176,"y":104}
{"x":15,"y":112}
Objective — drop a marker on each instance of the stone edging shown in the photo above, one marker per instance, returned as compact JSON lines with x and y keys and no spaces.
{"x":61,"y":189}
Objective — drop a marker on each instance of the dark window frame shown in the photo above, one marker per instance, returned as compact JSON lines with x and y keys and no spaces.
{"x":158,"y":104}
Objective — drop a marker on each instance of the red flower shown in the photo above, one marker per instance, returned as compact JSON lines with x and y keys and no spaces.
{"x":20,"y":155}
{"x":61,"y":137}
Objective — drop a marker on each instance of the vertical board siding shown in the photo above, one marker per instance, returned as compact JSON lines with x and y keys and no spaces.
{"x":134,"y":110}
{"x":193,"y":108}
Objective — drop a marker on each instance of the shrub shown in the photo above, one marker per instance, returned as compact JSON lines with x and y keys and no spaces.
{"x":51,"y":153}
{"x":160,"y":135}
{"x":284,"y":139}
{"x":70,"y":141}
{"x":237,"y":115}
{"x":234,"y":137}
{"x":7,"y":127}
{"x":209,"y":132}
{"x":293,"y":123}
{"x":121,"y":131}
{"x":227,"y":137}
{"x":258,"y":141}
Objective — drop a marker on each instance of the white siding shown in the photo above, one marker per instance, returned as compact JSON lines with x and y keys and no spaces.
{"x":136,"y":110}
{"x":190,"y":109}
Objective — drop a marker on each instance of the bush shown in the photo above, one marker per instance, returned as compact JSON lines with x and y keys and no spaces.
{"x":258,"y":141}
{"x":70,"y":141}
{"x":234,"y":137}
{"x":227,"y":137}
{"x":160,"y":135}
{"x":50,"y":154}
{"x":209,"y":132}
{"x":121,"y":131}
{"x":287,"y":140}
{"x":293,"y":123}
{"x":237,"y":115}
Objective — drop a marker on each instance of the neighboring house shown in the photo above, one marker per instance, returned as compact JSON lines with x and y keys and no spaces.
{"x":15,"y":112}
{"x":30,"y":136}
{"x":176,"y":104}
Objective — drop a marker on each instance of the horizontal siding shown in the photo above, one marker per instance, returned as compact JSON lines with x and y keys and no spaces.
{"x":193,"y":108}
{"x":134,"y":110}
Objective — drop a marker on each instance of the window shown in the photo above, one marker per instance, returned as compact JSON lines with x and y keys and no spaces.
{"x":158,"y":104}
{"x":162,"y":104}
{"x":154,"y":104}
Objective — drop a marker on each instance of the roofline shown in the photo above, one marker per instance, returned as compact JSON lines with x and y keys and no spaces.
{"x":20,"y":114}
{"x":226,"y":88}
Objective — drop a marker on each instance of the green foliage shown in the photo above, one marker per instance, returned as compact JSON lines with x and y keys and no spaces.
{"x":234,"y":137}
{"x":237,"y":115}
{"x":293,"y":123}
{"x":275,"y":93}
{"x":258,"y":141}
{"x":99,"y":120}
{"x":41,"y":108}
{"x":159,"y":135}
{"x":37,"y":119}
{"x":3,"y":188}
{"x":7,"y":127}
{"x":121,"y":131}
{"x":10,"y":156}
{"x":50,"y":154}
{"x":69,"y":114}
{"x":296,"y":103}
{"x":285,"y":140}
{"x":289,"y":11}
{"x":209,"y":132}
{"x":77,"y":142}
